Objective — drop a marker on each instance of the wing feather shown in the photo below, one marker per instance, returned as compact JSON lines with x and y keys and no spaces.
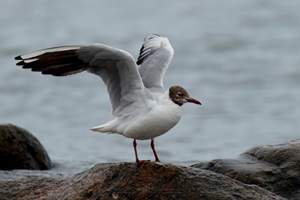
{"x":116,"y":67}
{"x":155,"y":56}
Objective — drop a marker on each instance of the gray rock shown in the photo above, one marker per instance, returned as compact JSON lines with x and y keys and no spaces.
{"x":273,"y":167}
{"x":19,"y":149}
{"x":128,"y":181}
{"x":265,"y":172}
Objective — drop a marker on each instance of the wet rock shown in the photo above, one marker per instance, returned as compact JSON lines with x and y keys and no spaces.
{"x":127,"y":181}
{"x":273,"y":167}
{"x":19,"y":149}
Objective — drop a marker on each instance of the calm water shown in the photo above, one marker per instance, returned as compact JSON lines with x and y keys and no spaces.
{"x":239,"y":58}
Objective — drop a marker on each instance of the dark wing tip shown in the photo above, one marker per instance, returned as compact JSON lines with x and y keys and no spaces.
{"x":18,"y":58}
{"x":146,"y":49}
{"x":21,"y":63}
{"x":139,"y":61}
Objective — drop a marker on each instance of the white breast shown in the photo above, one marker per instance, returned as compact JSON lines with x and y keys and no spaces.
{"x":156,"y":122}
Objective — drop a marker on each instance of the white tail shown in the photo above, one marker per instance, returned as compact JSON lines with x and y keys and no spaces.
{"x":109,"y":127}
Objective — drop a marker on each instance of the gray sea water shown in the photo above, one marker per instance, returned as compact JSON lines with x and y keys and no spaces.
{"x":239,"y":58}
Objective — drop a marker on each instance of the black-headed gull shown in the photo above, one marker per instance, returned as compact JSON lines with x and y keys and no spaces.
{"x":141,"y":107}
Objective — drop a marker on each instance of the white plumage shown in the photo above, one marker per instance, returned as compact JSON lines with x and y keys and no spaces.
{"x":141,"y":107}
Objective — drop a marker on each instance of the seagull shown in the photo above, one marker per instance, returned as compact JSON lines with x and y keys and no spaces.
{"x":143,"y":110}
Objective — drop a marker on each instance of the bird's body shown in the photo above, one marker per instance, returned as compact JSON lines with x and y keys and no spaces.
{"x":141,"y":107}
{"x":160,"y":117}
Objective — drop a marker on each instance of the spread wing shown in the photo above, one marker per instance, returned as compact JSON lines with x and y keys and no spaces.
{"x":116,"y":67}
{"x":154,"y":59}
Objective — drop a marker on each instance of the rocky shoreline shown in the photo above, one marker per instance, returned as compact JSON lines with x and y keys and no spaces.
{"x":264,"y":172}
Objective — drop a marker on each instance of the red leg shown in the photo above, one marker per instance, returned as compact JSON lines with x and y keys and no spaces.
{"x":138,"y":162}
{"x":135,"y":151}
{"x":154,"y":152}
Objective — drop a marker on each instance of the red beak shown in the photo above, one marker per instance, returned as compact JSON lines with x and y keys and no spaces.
{"x":191,"y":100}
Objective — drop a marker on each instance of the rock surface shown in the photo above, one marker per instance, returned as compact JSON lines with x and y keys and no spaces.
{"x":273,"y":167}
{"x":265,"y":172}
{"x":19,"y":149}
{"x":128,"y":181}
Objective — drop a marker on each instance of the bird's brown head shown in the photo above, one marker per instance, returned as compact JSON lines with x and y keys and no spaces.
{"x":180,"y":96}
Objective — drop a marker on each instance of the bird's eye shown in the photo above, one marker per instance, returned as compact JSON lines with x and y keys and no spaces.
{"x":179,"y":94}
